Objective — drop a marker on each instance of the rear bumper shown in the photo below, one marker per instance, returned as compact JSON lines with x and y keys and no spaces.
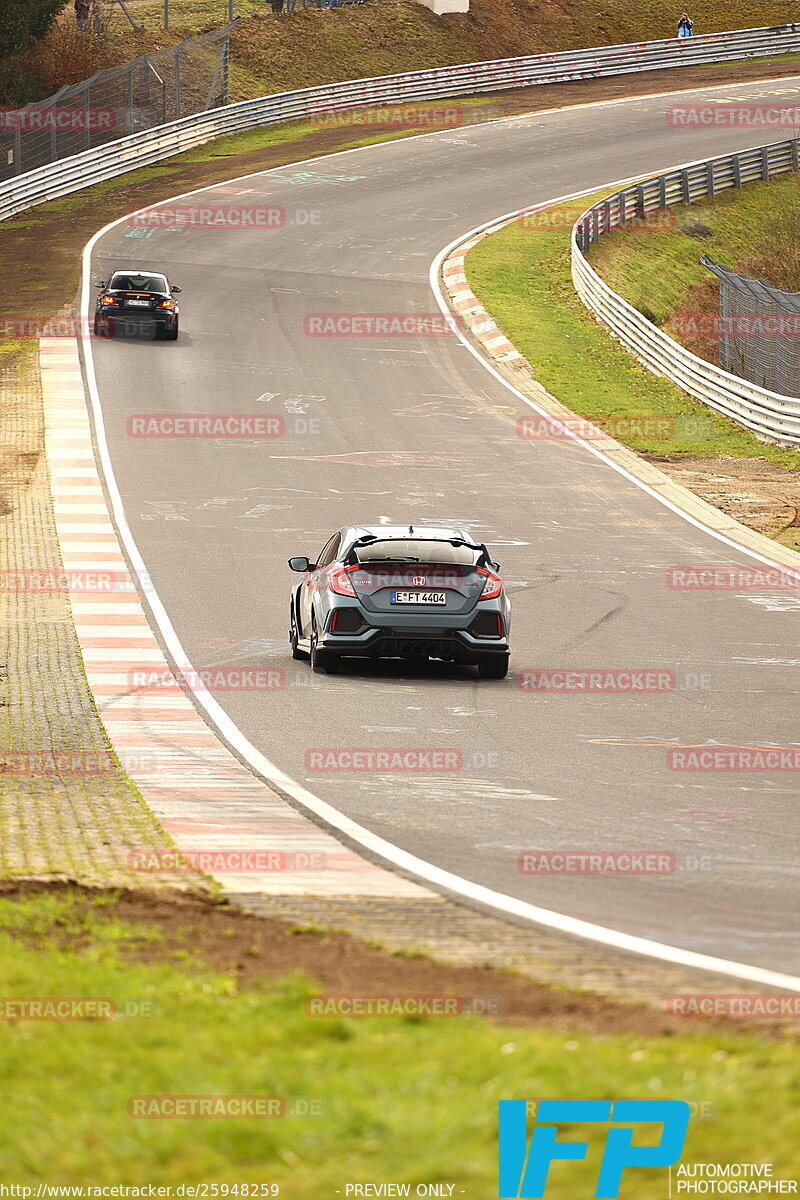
{"x":133,"y":321}
{"x":456,"y":644}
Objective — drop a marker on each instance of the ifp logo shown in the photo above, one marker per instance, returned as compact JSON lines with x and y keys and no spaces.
{"x":524,"y":1169}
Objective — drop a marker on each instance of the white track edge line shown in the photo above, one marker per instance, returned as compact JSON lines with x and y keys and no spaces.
{"x":417,"y":868}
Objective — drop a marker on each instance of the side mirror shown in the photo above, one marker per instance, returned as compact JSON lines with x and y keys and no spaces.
{"x":99,"y":283}
{"x":299,"y":564}
{"x":176,"y":290}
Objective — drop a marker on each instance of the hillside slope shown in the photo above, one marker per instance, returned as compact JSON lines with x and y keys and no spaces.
{"x":271,"y":53}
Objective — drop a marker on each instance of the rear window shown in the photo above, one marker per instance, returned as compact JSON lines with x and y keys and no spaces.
{"x":410,"y":550}
{"x":139,"y":283}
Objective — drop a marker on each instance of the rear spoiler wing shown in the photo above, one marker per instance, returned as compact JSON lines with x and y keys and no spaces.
{"x":484,"y":557}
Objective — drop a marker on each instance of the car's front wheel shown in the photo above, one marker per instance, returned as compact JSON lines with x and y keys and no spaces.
{"x":323,"y":662}
{"x":493,"y":666}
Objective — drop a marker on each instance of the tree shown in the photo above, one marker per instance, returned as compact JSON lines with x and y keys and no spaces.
{"x":24,"y":21}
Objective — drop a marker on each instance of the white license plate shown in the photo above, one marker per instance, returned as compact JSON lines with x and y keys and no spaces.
{"x":419,"y":598}
{"x":138,"y":303}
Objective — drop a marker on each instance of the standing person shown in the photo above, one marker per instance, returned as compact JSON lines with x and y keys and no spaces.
{"x":685,"y":26}
{"x":82,"y":14}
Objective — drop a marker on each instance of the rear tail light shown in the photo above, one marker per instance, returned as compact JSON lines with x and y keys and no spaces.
{"x":109,"y":300}
{"x":493,"y":586}
{"x":166,"y":304}
{"x":341,"y":583}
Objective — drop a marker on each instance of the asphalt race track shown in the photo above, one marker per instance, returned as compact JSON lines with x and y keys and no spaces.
{"x":415,"y":429}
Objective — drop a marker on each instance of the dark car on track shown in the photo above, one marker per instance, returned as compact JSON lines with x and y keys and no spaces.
{"x":137,"y":303}
{"x":401,"y":591}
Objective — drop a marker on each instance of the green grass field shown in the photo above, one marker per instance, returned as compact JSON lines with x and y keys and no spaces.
{"x":404,"y":1100}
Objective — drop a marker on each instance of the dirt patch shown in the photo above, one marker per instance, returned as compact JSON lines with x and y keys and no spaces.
{"x":258,"y":950}
{"x":760,"y":495}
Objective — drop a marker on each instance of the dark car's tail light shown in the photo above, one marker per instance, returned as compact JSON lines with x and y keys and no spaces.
{"x":166,"y":304}
{"x":109,"y":300}
{"x":493,"y":586}
{"x":346,"y":620}
{"x":341,"y":583}
{"x":487,"y":624}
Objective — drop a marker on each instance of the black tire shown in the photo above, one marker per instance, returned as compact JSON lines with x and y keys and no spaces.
{"x":171,"y":335}
{"x":103,"y":328}
{"x":493,"y":666}
{"x":323,"y":662}
{"x":297,"y":653}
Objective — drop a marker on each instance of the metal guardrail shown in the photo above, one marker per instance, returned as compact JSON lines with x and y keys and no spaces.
{"x":770,"y":414}
{"x":149,"y":146}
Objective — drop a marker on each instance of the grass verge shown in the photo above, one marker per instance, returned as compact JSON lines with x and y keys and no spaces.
{"x":753,"y":231}
{"x":402,"y":1099}
{"x":522,"y":276}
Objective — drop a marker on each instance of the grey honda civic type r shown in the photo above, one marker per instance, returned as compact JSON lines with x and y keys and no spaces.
{"x":401,"y":591}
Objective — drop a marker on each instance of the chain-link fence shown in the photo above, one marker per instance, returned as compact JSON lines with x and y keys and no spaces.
{"x":187,"y":78}
{"x":758,"y":334}
{"x":177,"y":14}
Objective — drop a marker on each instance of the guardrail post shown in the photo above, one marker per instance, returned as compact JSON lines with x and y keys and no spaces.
{"x":177,"y":83}
{"x":765,"y":162}
{"x":87,"y":133}
{"x":129,"y":100}
{"x":640,"y":201}
{"x":795,"y":155}
{"x":606,"y":216}
{"x":737,"y":171}
{"x":662,"y":192}
{"x":685,"y":188}
{"x":623,"y":210}
{"x":710,"y":179}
